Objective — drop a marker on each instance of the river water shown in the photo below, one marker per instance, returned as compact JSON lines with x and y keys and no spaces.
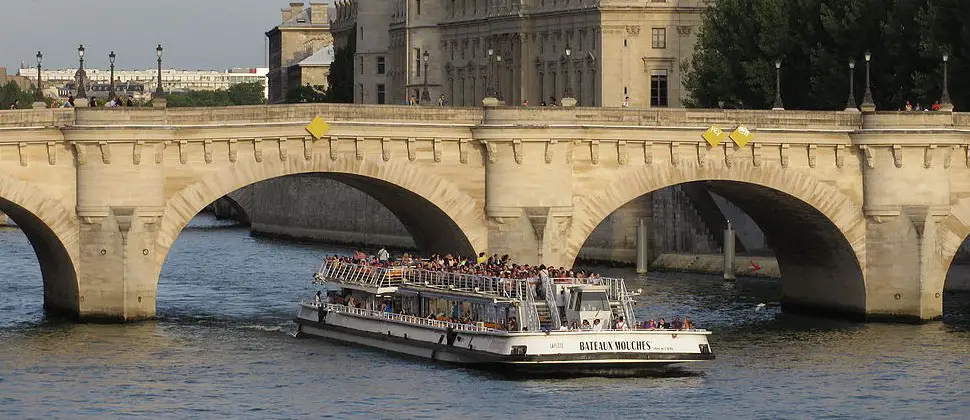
{"x":222,"y":348}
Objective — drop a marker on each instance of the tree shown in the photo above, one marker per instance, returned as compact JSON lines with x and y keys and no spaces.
{"x":341,"y":77}
{"x":247,"y":93}
{"x":12,"y":95}
{"x":306,"y":94}
{"x":733,"y":65}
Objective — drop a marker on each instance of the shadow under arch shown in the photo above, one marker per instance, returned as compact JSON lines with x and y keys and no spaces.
{"x":57,"y":267}
{"x":817,"y":233}
{"x":439,"y":215}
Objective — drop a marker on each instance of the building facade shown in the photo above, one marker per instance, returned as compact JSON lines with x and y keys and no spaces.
{"x":172,"y":80}
{"x":295,"y":46}
{"x":616,"y":49}
{"x":366,"y":31}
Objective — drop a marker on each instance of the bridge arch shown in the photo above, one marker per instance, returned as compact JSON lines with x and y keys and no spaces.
{"x":53,"y":233}
{"x":433,"y":209}
{"x":954,"y":231}
{"x":817,"y":231}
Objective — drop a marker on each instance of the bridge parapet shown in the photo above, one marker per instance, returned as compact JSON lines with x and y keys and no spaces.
{"x":675,"y":118}
{"x":904,"y":120}
{"x":36,"y":118}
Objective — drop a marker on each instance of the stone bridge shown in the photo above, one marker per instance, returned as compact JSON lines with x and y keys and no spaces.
{"x":865,"y":211}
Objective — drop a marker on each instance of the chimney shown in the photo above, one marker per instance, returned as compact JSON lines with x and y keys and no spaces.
{"x":287,"y":15}
{"x":318,"y":13}
{"x":295,"y":9}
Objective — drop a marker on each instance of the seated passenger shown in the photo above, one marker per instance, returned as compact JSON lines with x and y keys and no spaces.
{"x":662,"y":324}
{"x":586,"y":325}
{"x":688,"y":325}
{"x":676,"y":324}
{"x":597,"y":325}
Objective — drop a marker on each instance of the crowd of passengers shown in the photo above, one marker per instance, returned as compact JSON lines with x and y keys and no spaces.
{"x":493,"y":266}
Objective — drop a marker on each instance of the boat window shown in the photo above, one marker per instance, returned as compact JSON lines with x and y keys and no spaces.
{"x":594,"y":301}
{"x":577,"y":298}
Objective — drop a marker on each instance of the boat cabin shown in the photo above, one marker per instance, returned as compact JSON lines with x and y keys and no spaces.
{"x":589,"y":303}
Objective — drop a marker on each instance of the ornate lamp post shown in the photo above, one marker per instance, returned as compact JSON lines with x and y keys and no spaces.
{"x":425,"y":95}
{"x":867,"y":104}
{"x":778,"y":106}
{"x":158,"y":90}
{"x":498,"y":77}
{"x":850,"y":105}
{"x":489,"y":89}
{"x":945,"y":104}
{"x":568,"y":91}
{"x":80,"y":75}
{"x":111,"y":89}
{"x":39,"y":95}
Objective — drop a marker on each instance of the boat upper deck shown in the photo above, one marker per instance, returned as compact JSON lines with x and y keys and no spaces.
{"x":381,"y":279}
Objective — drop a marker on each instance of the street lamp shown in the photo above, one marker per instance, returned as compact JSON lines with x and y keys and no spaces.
{"x":850,"y":105}
{"x":778,"y":106}
{"x":111,"y":89}
{"x":867,"y":103}
{"x":158,"y":90}
{"x":80,"y":75}
{"x":489,"y":89}
{"x":39,"y":95}
{"x":498,"y":81}
{"x":426,"y":96}
{"x":945,"y":104}
{"x":568,"y":91}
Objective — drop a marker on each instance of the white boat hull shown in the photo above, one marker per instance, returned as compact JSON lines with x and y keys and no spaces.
{"x":610,"y":353}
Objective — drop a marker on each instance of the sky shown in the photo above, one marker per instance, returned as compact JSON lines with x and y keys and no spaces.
{"x":195,"y":34}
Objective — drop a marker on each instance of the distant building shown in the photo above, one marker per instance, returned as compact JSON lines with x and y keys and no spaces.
{"x":300,"y":49}
{"x":146,"y":81}
{"x":23,"y":82}
{"x":618,"y":48}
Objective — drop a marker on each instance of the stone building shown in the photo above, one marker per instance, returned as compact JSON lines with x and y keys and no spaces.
{"x":300,"y":49}
{"x":617,"y":48}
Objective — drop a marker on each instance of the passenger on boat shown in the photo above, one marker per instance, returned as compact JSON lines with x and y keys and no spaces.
{"x":620,"y":325}
{"x":597,"y":325}
{"x":676,"y":324}
{"x":662,"y":324}
{"x":383,"y":255}
{"x":586,"y":325}
{"x":688,"y":325}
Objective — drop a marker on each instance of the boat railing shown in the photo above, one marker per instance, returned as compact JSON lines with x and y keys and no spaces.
{"x":464,"y":282}
{"x":549,"y":291}
{"x":409,"y":319}
{"x":358,"y":273}
{"x":531,"y":312}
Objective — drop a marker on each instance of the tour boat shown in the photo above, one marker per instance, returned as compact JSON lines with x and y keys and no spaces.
{"x":512,"y":326}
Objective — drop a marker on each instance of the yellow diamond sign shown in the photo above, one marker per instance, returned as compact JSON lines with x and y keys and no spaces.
{"x":714,"y":136}
{"x":742,"y":136}
{"x":318,"y":128}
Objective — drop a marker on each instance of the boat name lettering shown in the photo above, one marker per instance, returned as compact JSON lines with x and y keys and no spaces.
{"x":613,"y":345}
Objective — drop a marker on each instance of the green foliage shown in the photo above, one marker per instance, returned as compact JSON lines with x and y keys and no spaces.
{"x":306,"y":94}
{"x":11,"y":94}
{"x":238,"y":94}
{"x":733,"y":66}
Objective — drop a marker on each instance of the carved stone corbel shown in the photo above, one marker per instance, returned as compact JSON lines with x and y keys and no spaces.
{"x":258,"y":149}
{"x":673,"y":154}
{"x":105,"y":152}
{"x":898,"y":155}
{"x":160,"y":152}
{"x":928,"y":156}
{"x":517,"y":150}
{"x":233,"y":150}
{"x":728,"y":156}
{"x":701,"y":156}
{"x":622,"y":156}
{"x":948,"y":157}
{"x":333,"y":147}
{"x":648,"y":153}
{"x":756,"y":155}
{"x":968,"y":155}
{"x":184,"y":151}
{"x":570,"y":151}
{"x":307,"y":148}
{"x":412,"y":149}
{"x":436,"y":149}
{"x":22,"y":148}
{"x":359,"y":148}
{"x":594,"y":151}
{"x":840,"y":156}
{"x":386,"y":148}
{"x":207,"y":150}
{"x":463,"y":150}
{"x":136,"y":152}
{"x":52,"y":153}
{"x":549,"y":145}
{"x":812,"y":155}
{"x":870,"y":160}
{"x":785,"y":152}
{"x":490,"y":150}
{"x":82,"y":158}
{"x":284,"y":153}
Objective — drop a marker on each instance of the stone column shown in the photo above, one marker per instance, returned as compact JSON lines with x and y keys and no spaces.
{"x":528,"y":199}
{"x":906,"y":198}
{"x":119,"y":202}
